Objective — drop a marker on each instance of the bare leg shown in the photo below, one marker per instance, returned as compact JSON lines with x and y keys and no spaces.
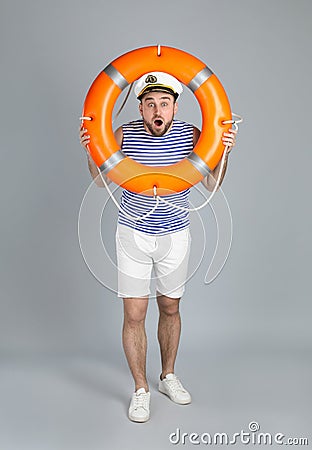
{"x":134,"y":339}
{"x":169,"y":330}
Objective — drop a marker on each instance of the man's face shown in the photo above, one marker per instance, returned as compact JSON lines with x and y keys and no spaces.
{"x":157,"y":110}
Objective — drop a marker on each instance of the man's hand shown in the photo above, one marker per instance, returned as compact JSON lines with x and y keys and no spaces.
{"x":229,"y":139}
{"x":85,"y":141}
{"x":84,"y":138}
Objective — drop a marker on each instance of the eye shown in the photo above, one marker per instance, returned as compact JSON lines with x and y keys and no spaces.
{"x":151,"y":105}
{"x":164,"y":104}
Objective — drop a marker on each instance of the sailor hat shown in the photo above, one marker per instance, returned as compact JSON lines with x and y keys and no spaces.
{"x":159,"y":82}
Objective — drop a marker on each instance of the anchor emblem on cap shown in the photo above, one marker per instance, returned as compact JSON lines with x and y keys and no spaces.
{"x":150,"y":79}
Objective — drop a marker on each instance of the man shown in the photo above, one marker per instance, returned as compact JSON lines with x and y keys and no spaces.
{"x":160,"y":241}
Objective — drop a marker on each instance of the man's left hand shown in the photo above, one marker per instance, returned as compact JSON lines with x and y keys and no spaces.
{"x":229,"y":139}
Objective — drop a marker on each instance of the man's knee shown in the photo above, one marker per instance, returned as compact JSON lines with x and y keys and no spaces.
{"x":135,"y":310}
{"x":167,"y":305}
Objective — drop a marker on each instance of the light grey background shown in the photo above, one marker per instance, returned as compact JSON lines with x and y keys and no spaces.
{"x":246,"y":343}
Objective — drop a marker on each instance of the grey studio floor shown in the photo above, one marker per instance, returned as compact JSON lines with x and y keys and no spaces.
{"x":80,"y":402}
{"x":76,"y":403}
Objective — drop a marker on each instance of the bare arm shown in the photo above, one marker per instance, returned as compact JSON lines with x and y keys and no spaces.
{"x":84,"y":141}
{"x":210,"y":180}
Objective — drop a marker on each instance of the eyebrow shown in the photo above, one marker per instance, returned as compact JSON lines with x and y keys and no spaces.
{"x":153,"y":98}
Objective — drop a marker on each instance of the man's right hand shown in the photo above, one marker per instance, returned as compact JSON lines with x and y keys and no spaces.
{"x":85,"y":141}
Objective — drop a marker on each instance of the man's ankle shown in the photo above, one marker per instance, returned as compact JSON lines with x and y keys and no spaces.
{"x":165,"y":373}
{"x":141,"y":385}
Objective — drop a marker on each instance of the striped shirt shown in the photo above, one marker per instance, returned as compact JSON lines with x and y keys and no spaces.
{"x":151,"y":150}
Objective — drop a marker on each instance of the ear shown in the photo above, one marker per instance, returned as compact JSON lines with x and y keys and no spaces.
{"x":141,"y":109}
{"x":175,"y":108}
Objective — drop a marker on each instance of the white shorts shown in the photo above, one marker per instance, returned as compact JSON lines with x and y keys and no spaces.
{"x":138,"y":253}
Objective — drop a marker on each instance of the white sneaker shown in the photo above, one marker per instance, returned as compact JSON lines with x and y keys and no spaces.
{"x":172,"y":386}
{"x":139,"y":409}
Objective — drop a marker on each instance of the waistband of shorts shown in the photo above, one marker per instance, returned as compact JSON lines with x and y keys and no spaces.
{"x":126,"y":229}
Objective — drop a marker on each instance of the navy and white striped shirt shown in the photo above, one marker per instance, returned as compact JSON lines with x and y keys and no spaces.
{"x":151,"y":150}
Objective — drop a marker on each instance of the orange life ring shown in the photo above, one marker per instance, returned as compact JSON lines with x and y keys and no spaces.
{"x":102,"y":96}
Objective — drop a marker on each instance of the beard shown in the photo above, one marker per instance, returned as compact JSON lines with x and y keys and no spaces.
{"x":154,"y":129}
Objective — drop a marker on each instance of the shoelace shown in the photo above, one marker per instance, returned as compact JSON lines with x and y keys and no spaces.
{"x":141,"y":401}
{"x":176,"y":385}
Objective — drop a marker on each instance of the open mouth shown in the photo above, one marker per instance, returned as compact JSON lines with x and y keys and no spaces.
{"x":158,"y":122}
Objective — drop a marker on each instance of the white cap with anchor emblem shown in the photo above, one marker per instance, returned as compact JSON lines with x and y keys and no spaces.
{"x":157,"y":81}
